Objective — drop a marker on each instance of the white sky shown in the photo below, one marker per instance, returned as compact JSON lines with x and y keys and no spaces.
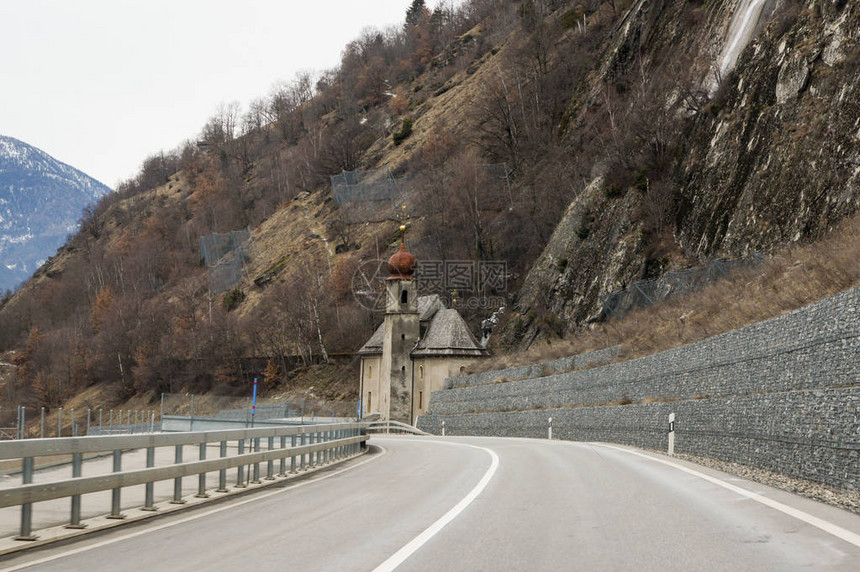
{"x":102,"y":84}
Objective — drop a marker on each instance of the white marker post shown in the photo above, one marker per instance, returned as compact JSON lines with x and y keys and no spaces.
{"x":443,"y":428}
{"x":671,"y":434}
{"x":549,"y":430}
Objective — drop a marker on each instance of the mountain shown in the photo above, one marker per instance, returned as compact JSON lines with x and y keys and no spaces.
{"x":41,"y":200}
{"x":545,"y":154}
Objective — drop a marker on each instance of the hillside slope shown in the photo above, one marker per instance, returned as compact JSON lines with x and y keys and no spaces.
{"x":580,"y":145}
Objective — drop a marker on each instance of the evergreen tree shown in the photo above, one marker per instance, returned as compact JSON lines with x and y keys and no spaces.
{"x":413,"y":13}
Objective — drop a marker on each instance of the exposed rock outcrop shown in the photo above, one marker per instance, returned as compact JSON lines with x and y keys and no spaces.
{"x":773,"y":158}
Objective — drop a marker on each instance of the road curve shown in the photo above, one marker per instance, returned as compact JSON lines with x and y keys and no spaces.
{"x":420,"y":504}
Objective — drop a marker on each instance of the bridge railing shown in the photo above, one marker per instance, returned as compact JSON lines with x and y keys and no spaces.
{"x":388,"y":426}
{"x":305,"y":446}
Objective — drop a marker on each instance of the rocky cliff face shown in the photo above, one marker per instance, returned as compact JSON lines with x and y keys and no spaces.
{"x":770,"y":153}
{"x":778,"y":158}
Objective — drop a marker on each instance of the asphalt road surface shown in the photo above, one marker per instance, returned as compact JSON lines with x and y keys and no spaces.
{"x":419,"y":503}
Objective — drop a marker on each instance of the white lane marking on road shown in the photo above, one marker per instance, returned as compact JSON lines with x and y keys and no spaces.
{"x":413,"y":545}
{"x":822,"y":524}
{"x":189,"y":518}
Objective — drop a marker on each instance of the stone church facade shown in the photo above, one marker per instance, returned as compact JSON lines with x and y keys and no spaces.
{"x":417,"y":346}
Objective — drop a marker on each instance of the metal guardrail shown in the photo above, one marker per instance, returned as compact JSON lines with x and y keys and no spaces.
{"x":309,"y":445}
{"x":394,"y":427}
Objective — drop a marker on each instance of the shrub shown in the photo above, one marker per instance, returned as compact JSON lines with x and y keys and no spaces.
{"x":405,"y":131}
{"x":232,"y":299}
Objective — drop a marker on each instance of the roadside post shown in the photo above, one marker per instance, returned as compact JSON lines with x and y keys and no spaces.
{"x":549,"y":429}
{"x":254,"y":402}
{"x":671,"y":434}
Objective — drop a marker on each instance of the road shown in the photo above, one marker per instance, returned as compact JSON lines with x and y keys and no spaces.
{"x":419,"y":504}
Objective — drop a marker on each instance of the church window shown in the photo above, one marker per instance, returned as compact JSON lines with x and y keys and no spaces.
{"x":404,"y":297}
{"x":368,"y":402}
{"x":370,"y":371}
{"x":420,"y":372}
{"x":420,"y":400}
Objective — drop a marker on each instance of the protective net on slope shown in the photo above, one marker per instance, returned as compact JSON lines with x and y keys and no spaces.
{"x":226,"y":256}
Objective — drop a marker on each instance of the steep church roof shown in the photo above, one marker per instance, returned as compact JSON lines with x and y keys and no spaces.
{"x":374,"y":344}
{"x":428,"y":306}
{"x":447,"y":335}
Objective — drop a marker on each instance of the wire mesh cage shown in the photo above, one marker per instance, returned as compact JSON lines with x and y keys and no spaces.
{"x":226,"y":255}
{"x":672,"y":283}
{"x":368,"y":196}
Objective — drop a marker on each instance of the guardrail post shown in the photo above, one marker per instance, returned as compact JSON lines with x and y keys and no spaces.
{"x":26,"y":532}
{"x":201,"y":478}
{"x":337,"y":447}
{"x":60,"y":422}
{"x":73,"y":431}
{"x":88,"y":420}
{"x":115,"y":512}
{"x":326,"y":453}
{"x":256,"y":443}
{"x":222,"y":474}
{"x":283,"y":471}
{"x":177,"y":482}
{"x":240,"y":470}
{"x":303,"y":455}
{"x":323,"y":455}
{"x":149,"y":500}
{"x":77,"y":459}
{"x":293,"y":456}
{"x":270,"y":465}
{"x":314,"y":459}
{"x":42,"y":425}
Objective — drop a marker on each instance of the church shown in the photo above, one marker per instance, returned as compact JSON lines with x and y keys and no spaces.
{"x":419,"y":343}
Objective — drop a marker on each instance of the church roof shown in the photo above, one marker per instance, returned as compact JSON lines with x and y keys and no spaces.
{"x":428,"y":306}
{"x":374,"y":344}
{"x":447,"y":335}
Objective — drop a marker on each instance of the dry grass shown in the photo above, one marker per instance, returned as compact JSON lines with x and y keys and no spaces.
{"x":787,"y":280}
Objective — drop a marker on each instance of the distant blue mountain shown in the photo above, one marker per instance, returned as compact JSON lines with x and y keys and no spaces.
{"x":41,"y":201}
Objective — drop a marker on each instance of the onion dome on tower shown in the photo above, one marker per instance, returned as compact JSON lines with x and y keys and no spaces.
{"x":401,"y":265}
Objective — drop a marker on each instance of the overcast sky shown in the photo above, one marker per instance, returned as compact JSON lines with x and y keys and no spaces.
{"x":102,"y":84}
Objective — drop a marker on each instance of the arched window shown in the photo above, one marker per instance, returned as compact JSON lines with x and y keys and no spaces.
{"x":420,"y":372}
{"x":370,"y":371}
{"x":404,"y":297}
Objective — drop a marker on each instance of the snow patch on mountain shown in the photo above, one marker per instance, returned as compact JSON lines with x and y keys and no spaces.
{"x":41,"y":202}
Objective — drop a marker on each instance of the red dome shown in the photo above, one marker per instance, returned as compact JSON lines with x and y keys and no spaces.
{"x":401,"y":264}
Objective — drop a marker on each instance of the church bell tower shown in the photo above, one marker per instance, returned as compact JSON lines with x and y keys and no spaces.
{"x":402,"y":330}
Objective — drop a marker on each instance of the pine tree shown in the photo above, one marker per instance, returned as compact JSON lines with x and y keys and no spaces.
{"x":413,"y":13}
